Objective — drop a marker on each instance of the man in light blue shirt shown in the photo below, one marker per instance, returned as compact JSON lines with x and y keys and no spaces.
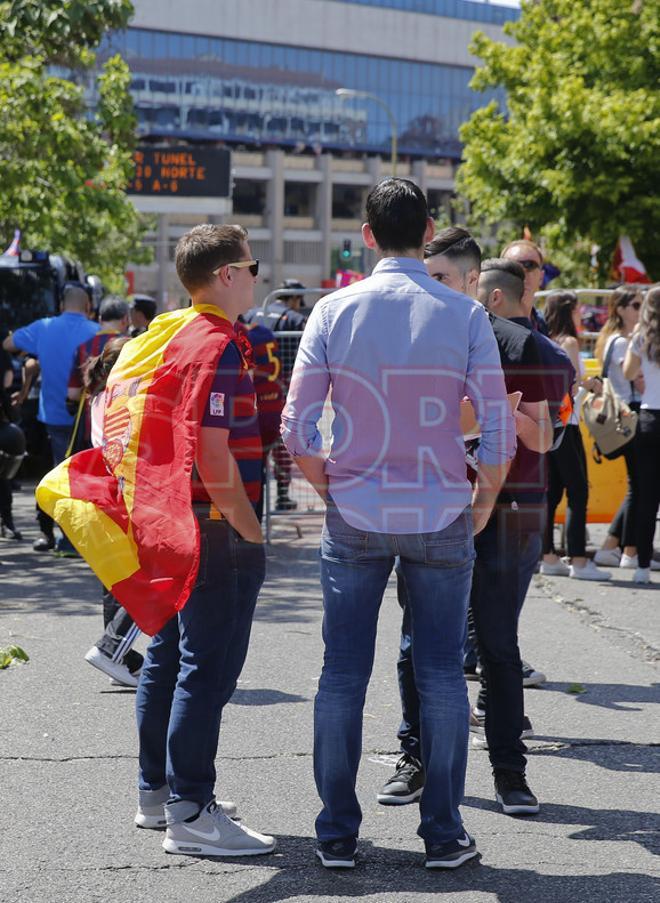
{"x":54,"y":341}
{"x":398,"y":355}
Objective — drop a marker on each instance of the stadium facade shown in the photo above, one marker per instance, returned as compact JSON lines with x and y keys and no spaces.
{"x":260,"y":77}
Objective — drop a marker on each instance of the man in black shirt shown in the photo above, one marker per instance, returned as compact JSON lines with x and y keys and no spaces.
{"x":453,"y":258}
{"x":509,"y":543}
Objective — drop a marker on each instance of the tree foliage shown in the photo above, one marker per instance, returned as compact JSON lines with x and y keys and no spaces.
{"x":65,"y":168}
{"x":576,"y":154}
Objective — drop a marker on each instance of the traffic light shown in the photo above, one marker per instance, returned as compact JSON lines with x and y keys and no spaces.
{"x":346,"y":251}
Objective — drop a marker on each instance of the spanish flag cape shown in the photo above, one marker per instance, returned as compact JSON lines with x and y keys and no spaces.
{"x":126,"y":507}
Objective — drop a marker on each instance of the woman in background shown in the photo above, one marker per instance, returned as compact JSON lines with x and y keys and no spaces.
{"x":567,"y":464}
{"x":623,"y":306}
{"x":643,"y":355}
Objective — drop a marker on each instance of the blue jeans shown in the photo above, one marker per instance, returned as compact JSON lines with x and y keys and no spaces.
{"x":192,"y":665}
{"x":59,"y":437}
{"x":355,"y":567}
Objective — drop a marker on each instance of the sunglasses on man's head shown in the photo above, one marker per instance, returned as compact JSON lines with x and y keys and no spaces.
{"x":253,"y":266}
{"x":529,"y":265}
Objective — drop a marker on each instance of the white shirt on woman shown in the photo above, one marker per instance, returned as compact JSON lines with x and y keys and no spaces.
{"x":651,"y":374}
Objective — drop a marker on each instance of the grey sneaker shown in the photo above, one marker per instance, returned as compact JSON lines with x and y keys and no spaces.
{"x":211,"y":833}
{"x":151,"y":808}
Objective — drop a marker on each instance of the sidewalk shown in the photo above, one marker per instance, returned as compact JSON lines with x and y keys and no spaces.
{"x":68,"y":753}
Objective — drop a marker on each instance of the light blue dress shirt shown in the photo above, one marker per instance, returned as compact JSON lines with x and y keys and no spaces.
{"x":398,"y":352}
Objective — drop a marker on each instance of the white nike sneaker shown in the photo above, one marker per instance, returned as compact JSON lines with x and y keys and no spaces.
{"x":151,"y":808}
{"x":642,"y":575}
{"x":211,"y":833}
{"x":609,"y":558}
{"x":589,"y":571}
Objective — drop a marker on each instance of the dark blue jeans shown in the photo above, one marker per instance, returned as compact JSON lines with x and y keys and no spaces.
{"x":59,"y":437}
{"x":192,"y":665}
{"x":355,"y":567}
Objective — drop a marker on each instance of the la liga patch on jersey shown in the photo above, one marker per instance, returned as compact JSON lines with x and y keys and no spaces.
{"x":217,"y":404}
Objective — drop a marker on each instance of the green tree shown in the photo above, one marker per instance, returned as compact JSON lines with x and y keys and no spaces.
{"x":576,"y":154}
{"x":65,"y":168}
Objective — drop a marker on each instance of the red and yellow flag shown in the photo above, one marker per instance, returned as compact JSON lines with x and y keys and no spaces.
{"x":126,"y":507}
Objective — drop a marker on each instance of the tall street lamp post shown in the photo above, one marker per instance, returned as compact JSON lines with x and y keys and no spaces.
{"x":345,"y":93}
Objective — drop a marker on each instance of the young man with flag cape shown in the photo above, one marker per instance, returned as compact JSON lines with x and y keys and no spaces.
{"x":164,"y":513}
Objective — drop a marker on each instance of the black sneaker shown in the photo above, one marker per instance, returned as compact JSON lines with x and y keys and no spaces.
{"x":284,"y":503}
{"x":337,"y":854}
{"x":478,"y":729}
{"x":513,"y":794}
{"x":405,"y":785}
{"x":451,"y":854}
{"x":44,"y":544}
{"x":532,"y":677}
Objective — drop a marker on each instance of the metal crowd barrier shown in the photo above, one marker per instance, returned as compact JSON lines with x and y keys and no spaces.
{"x":307,"y":502}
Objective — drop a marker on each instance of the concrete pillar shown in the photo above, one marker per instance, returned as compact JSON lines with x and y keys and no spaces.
{"x":163,"y":260}
{"x":375,"y":169}
{"x":275,"y":215}
{"x":420,"y":174}
{"x":324,"y":212}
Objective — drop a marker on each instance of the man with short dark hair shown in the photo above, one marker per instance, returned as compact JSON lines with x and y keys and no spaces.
{"x":143,"y":309}
{"x":453,"y":258}
{"x":113,"y":318}
{"x":54,"y":340}
{"x":398,"y":356}
{"x":508,"y":548}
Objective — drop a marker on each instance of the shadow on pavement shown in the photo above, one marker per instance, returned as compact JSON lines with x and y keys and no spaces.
{"x":620,"y":697}
{"x":382,"y":872}
{"x":610,"y":754}
{"x":263,"y":697}
{"x":602,"y":824}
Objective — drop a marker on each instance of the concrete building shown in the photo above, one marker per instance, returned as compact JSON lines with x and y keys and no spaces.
{"x":261,"y":77}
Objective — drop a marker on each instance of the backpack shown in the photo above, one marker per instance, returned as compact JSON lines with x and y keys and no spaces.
{"x":609,"y":420}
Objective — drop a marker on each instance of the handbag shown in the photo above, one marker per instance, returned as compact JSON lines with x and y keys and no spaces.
{"x":609,"y":420}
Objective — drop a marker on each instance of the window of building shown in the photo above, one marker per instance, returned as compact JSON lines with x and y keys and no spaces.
{"x":299,"y":199}
{"x":249,"y":197}
{"x":347,"y":202}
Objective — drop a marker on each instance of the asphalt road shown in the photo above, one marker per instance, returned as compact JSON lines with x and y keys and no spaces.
{"x":68,"y":753}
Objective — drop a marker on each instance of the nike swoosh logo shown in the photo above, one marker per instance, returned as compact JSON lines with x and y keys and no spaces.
{"x":464,"y":841}
{"x":205,"y":835}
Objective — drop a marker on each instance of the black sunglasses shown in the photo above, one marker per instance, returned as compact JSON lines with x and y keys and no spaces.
{"x":636,"y":305}
{"x":529,"y":264}
{"x":253,"y":266}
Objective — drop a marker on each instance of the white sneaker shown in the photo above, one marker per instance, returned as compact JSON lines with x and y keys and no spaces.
{"x":628,"y":562}
{"x":115,"y":670}
{"x":211,"y":833}
{"x":589,"y":571}
{"x":642,"y":575}
{"x":609,"y":558}
{"x":554,"y":569}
